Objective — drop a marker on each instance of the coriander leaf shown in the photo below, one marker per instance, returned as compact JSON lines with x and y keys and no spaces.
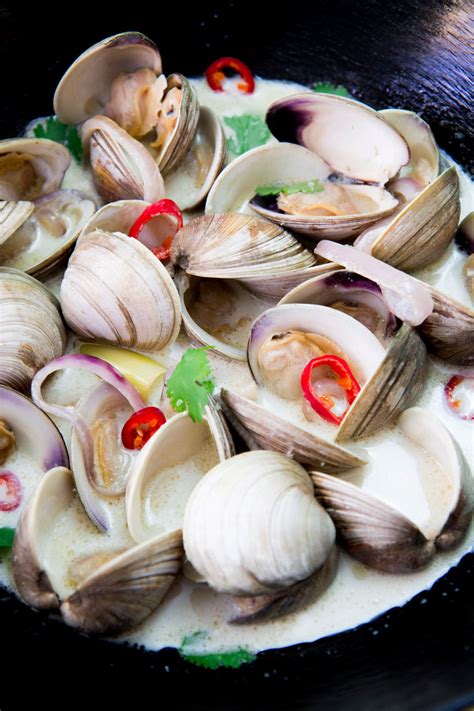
{"x":6,"y":537}
{"x":233,"y":659}
{"x":191,"y":383}
{"x":250,"y":131}
{"x":226,"y":659}
{"x":59,"y":132}
{"x":328,"y":88}
{"x":310,"y":186}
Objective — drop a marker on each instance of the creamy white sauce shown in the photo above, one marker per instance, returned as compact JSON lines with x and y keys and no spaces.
{"x":398,"y":472}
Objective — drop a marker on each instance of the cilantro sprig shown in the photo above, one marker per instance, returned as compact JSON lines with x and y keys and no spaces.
{"x":310,"y":186}
{"x":212,"y":661}
{"x":59,"y":132}
{"x":6,"y":537}
{"x":250,"y":131}
{"x":328,"y":88}
{"x":191,"y":384}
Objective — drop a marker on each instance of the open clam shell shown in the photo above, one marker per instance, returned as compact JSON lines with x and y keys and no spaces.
{"x":45,"y":239}
{"x":347,"y":291}
{"x":122,"y":167}
{"x":177,"y":441}
{"x":285,"y":164}
{"x":31,"y":329}
{"x":262,"y":429}
{"x":422,"y":231}
{"x":449,"y":330}
{"x":424,"y":155}
{"x":118,"y":595}
{"x":251,"y":529}
{"x":31,"y":167}
{"x":114,"y":289}
{"x":351,"y":138}
{"x":380,"y":536}
{"x":189,"y":183}
{"x":85,"y":88}
{"x":173,"y":142}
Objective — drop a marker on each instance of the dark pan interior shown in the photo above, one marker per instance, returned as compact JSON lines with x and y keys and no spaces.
{"x":410,"y":54}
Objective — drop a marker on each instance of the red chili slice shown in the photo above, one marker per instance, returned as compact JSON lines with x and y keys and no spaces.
{"x":323,"y":403}
{"x":11,"y":491}
{"x":141,"y":426}
{"x":162,"y":207}
{"x":459,"y":394}
{"x":215,"y":75}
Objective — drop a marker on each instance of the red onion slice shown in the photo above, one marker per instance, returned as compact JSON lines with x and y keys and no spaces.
{"x":408,"y":298}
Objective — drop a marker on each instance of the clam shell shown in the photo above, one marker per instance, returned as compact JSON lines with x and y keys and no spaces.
{"x":179,"y":143}
{"x":395,"y":385}
{"x":262,"y":429}
{"x":12,"y":215}
{"x":122,"y":167}
{"x":424,"y":155}
{"x":176,"y":441}
{"x":31,"y":329}
{"x":251,"y":526}
{"x":189,"y":183}
{"x":422,"y":231}
{"x":53,"y":495}
{"x":349,"y":136}
{"x":114,"y":289}
{"x":49,"y":161}
{"x":126,"y":590}
{"x":85,"y":88}
{"x":380,"y":536}
{"x":449,"y":330}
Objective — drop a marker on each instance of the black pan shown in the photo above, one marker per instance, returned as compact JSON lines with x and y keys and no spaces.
{"x":410,"y":54}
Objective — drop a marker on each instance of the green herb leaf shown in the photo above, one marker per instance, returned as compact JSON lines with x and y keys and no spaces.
{"x":191,"y":383}
{"x":250,"y":131}
{"x":60,"y":133}
{"x":212,"y":661}
{"x":328,"y":88}
{"x":6,"y":537}
{"x":310,"y":186}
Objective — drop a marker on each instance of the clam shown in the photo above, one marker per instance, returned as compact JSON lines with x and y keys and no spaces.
{"x":13,"y":213}
{"x":265,"y":258}
{"x":116,"y":290}
{"x":46,"y":237}
{"x":189,"y":184}
{"x":177,"y":123}
{"x":197,"y":446}
{"x":351,"y":293}
{"x":424,"y":155}
{"x":382,"y":537}
{"x":31,"y":330}
{"x":353,"y":139}
{"x":333,"y":210}
{"x":116,"y":596}
{"x":253,"y":530}
{"x":422,"y":230}
{"x":122,"y":167}
{"x":31,"y":167}
{"x":285,"y":338}
{"x":85,"y":88}
{"x":449,"y":329}
{"x":465,"y":241}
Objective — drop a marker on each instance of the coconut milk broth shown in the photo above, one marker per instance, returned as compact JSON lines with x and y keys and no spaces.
{"x":358,"y":593}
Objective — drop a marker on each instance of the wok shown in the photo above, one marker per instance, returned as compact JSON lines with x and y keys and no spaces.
{"x":411,"y":54}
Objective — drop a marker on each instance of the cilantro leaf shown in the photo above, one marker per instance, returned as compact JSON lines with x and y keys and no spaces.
{"x":250,"y":131}
{"x":191,"y":383}
{"x":212,"y":661}
{"x":310,"y":186}
{"x":6,"y":537}
{"x":60,"y":133}
{"x":328,"y":88}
